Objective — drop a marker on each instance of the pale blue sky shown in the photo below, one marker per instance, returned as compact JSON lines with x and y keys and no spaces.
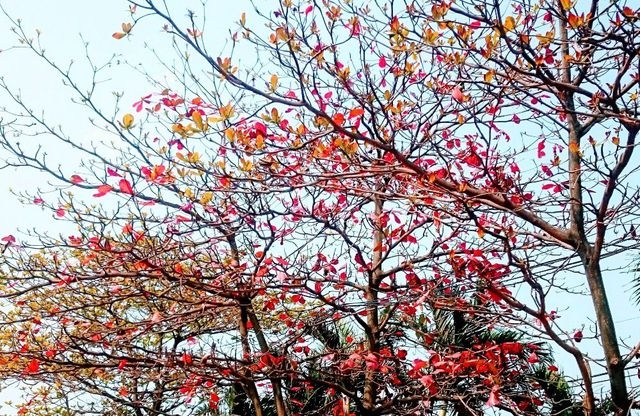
{"x":61,"y":23}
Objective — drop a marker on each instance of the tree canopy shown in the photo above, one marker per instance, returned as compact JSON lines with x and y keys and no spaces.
{"x":364,"y":208}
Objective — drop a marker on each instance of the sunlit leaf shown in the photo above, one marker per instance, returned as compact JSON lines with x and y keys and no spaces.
{"x":127,"y":121}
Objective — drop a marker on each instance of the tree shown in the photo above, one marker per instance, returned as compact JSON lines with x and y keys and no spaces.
{"x":385,"y":213}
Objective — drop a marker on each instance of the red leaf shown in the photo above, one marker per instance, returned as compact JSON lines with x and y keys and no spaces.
{"x":410,"y":239}
{"x":533,"y":358}
{"x":76,"y":179}
{"x":338,"y":119}
{"x":125,"y":187}
{"x":514,"y":348}
{"x":382,"y":62}
{"x":214,"y":399}
{"x":494,"y":400}
{"x":103,"y":190}
{"x":308,"y":10}
{"x":186,"y":359}
{"x":577,"y":336}
{"x":32,"y":367}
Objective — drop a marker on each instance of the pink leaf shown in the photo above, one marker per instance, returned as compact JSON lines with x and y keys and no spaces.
{"x":308,"y":10}
{"x":382,"y":62}
{"x":9,"y":239}
{"x":76,"y":179}
{"x":103,"y":190}
{"x":457,"y":94}
{"x":494,"y":400}
{"x":541,"y":149}
{"x":113,"y":172}
{"x":125,"y":187}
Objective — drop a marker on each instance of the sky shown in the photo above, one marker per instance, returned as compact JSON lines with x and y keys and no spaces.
{"x":65,"y":26}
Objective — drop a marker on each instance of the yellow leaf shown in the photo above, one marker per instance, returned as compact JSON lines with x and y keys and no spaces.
{"x":243,"y":19}
{"x":566,"y":4}
{"x":509,"y":24}
{"x":226,"y":111}
{"x":488,"y":77}
{"x":246,"y":165}
{"x":188,"y":193}
{"x":206,"y":197}
{"x":127,"y":121}
{"x":273,"y":84}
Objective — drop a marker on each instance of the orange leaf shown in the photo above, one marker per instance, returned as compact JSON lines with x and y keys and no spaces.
{"x":574,"y":147}
{"x":575,"y":21}
{"x":273,"y":83}
{"x":118,"y":35}
{"x":509,"y":23}
{"x":197,"y":118}
{"x":103,"y":190}
{"x":356,"y":112}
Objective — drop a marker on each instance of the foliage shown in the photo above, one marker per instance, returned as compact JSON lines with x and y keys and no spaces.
{"x":376,"y":218}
